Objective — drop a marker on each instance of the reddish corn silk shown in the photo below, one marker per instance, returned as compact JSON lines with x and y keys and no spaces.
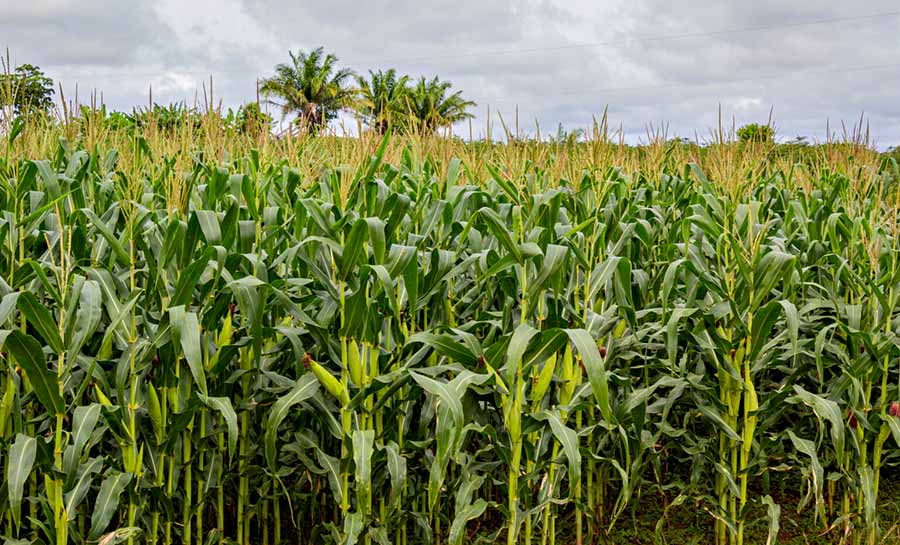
{"x":852,"y":420}
{"x":895,"y":409}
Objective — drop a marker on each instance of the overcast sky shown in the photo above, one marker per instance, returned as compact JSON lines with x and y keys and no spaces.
{"x":559,"y":61}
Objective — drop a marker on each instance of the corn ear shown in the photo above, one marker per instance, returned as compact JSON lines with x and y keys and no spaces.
{"x":354,"y":363}
{"x":329,"y":382}
{"x":544,"y":379}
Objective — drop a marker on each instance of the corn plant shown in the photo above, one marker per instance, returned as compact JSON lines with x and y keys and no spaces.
{"x":207,"y":343}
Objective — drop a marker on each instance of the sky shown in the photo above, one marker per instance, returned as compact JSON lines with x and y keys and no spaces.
{"x":656,"y":64}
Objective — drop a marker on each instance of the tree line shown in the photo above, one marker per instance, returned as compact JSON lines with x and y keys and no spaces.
{"x":311,"y":89}
{"x":314,"y":89}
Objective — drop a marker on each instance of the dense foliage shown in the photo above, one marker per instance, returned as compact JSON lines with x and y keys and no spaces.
{"x":383,"y":98}
{"x":315,"y":90}
{"x":754,"y":132}
{"x":415,"y":348}
{"x":431,"y":105}
{"x":175,"y":118}
{"x":311,"y":87}
{"x":27,"y":89}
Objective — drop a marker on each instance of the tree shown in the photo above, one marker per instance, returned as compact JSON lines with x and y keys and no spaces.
{"x":168,"y":118}
{"x":383,"y":98}
{"x":566,"y":137}
{"x":754,"y":132}
{"x":27,"y":90}
{"x":252,"y":120}
{"x":430,"y":104}
{"x":311,"y":87}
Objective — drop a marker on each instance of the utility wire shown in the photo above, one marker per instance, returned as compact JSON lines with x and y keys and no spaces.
{"x":611,"y":90}
{"x":637,"y":39}
{"x":500,"y":52}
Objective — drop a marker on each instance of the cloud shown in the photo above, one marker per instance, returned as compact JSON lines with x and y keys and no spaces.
{"x":746,"y":103}
{"x":554,"y":61}
{"x":100,"y":32}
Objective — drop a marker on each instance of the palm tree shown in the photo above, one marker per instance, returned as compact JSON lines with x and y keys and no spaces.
{"x":310,"y":86}
{"x":383,"y":98}
{"x":431,"y":106}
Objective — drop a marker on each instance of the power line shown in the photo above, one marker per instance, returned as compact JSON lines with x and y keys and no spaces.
{"x":611,"y":90}
{"x":500,"y":52}
{"x":665,"y":37}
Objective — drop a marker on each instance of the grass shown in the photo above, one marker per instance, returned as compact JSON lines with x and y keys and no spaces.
{"x":689,"y":524}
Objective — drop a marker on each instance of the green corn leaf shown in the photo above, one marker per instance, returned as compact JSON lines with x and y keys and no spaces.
{"x":84,"y":421}
{"x":827,"y":410}
{"x":41,"y":273}
{"x":465,"y":509}
{"x":396,"y":465}
{"x":332,"y":471}
{"x":894,"y":424}
{"x":377,"y":238}
{"x":672,"y":332}
{"x":88,"y":317}
{"x":49,"y":177}
{"x":515,"y":351}
{"x":352,"y":251}
{"x":808,"y":448}
{"x":186,"y":329}
{"x":28,"y":354}
{"x":772,"y":268}
{"x":498,"y":227}
{"x":713,"y":414}
{"x":554,"y":259}
{"x":107,"y":502}
{"x":353,"y":526}
{"x":867,"y":484}
{"x":223,"y":406}
{"x":446,"y":345}
{"x":773,"y":512}
{"x":82,"y":484}
{"x":508,"y":188}
{"x":107,"y":235}
{"x":7,"y":305}
{"x":209,"y":225}
{"x":569,"y":441}
{"x":792,"y":319}
{"x":305,"y":388}
{"x":363,"y":442}
{"x":187,"y":280}
{"x":21,"y":459}
{"x":596,"y":369}
{"x":42,"y":320}
{"x":444,"y":392}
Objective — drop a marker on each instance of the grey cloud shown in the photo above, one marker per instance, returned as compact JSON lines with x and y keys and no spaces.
{"x":645,"y":68}
{"x":98,"y":32}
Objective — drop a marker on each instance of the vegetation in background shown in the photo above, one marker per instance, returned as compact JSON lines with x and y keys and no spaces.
{"x":310,"y":87}
{"x":384,"y":99}
{"x":315,"y":90}
{"x":176,"y":118}
{"x":431,"y":105}
{"x":756,"y":133}
{"x":250,"y":119}
{"x":26,"y":89}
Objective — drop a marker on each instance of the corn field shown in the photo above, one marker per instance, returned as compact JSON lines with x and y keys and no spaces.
{"x":412,"y":348}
